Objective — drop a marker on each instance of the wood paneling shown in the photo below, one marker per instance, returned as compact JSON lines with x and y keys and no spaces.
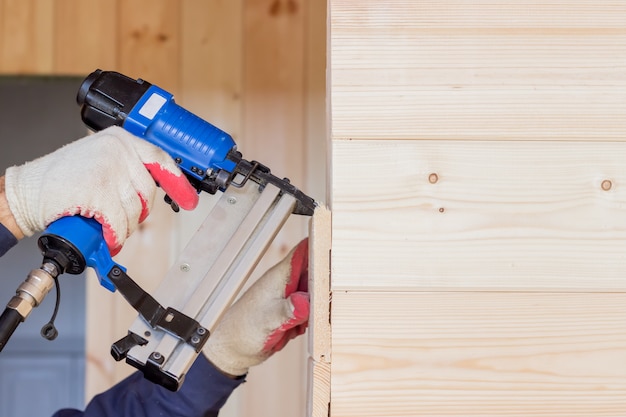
{"x":26,"y":36}
{"x":85,"y":36}
{"x":319,"y":343}
{"x":316,"y":114}
{"x":478,"y":354}
{"x":149,"y":41}
{"x":212,"y":62}
{"x":274,"y":83}
{"x":478,"y":70}
{"x":478,"y":237}
{"x":273,"y":133}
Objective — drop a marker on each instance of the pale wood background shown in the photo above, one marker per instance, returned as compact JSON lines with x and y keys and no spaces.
{"x":478,"y":200}
{"x":255,"y":68}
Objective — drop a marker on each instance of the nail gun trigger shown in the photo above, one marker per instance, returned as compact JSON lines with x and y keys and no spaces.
{"x":171,"y":203}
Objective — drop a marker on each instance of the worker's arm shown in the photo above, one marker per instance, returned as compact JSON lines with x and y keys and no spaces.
{"x":203,"y":393}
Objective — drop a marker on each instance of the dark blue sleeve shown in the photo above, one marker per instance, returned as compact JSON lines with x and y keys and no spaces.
{"x":203,"y":393}
{"x":7,"y":240}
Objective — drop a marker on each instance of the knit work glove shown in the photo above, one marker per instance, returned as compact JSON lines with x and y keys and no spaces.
{"x":109,"y":176}
{"x":274,"y":310}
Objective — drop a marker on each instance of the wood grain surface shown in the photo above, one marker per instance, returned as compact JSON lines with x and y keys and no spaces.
{"x":482,"y":70}
{"x":479,"y":215}
{"x":478,"y":354}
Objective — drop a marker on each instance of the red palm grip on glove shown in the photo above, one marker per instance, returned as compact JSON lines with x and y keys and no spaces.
{"x":296,"y":291}
{"x":177,"y":187}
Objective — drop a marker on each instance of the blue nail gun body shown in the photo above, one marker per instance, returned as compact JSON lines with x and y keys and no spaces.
{"x":200,"y":149}
{"x":174,"y":323}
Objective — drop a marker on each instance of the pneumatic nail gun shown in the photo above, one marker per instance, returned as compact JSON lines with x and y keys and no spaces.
{"x":175,"y":321}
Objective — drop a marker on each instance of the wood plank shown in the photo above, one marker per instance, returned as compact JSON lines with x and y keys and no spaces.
{"x":319,"y":333}
{"x":149,"y":42}
{"x":85,"y":36}
{"x":27,"y":36}
{"x":319,"y":284}
{"x":479,"y":215}
{"x":318,"y":404}
{"x":211,"y":62}
{"x":274,"y":102}
{"x":273,"y":134}
{"x":274,"y":85}
{"x":478,"y":354}
{"x":317,"y":137}
{"x":478,"y":70}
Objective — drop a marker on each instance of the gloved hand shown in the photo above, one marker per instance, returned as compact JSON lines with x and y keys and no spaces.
{"x":274,"y":310}
{"x":109,"y":176}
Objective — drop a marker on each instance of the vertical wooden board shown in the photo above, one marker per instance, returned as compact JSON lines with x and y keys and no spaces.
{"x":478,"y":70}
{"x":320,"y":237}
{"x":273,"y":101}
{"x":318,"y":402}
{"x":499,"y":215}
{"x":273,"y":134}
{"x":478,"y":354}
{"x":26,"y":37}
{"x":149,"y":42}
{"x":274,"y":85}
{"x":211,"y":62}
{"x":316,"y":133}
{"x":319,"y":333}
{"x":85,"y":36}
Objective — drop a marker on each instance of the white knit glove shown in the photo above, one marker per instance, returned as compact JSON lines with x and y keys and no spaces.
{"x":109,"y":176}
{"x":274,"y":310}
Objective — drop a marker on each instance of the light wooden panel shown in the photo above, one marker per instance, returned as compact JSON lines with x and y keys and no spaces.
{"x":211,"y":62}
{"x":26,"y":36}
{"x":478,"y":69}
{"x":85,"y":36}
{"x":319,"y":342}
{"x":478,"y":354}
{"x":149,"y":41}
{"x":479,"y":215}
{"x":478,"y":234}
{"x":273,"y":87}
{"x":317,"y":137}
{"x":274,"y":83}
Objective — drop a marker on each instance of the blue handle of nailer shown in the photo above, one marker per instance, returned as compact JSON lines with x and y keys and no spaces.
{"x":85,"y":235}
{"x":196,"y":145}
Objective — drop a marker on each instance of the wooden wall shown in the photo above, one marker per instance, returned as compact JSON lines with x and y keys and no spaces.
{"x":479,"y":208}
{"x":254,"y":68}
